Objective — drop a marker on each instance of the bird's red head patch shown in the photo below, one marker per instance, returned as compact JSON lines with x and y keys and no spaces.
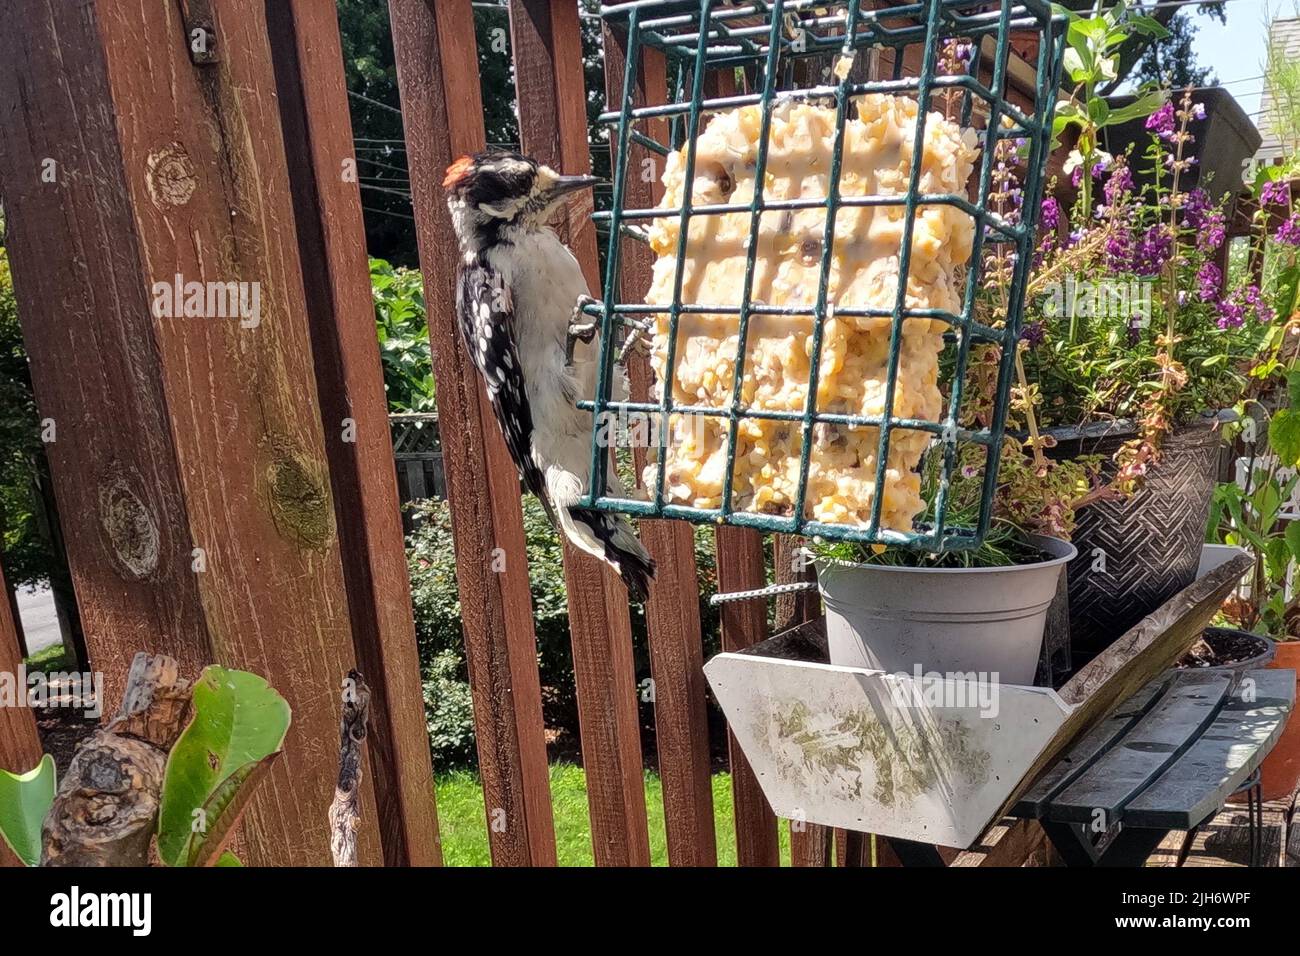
{"x":457,"y":171}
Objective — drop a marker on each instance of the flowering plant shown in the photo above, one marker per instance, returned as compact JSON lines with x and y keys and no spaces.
{"x":1261,"y":510}
{"x":1129,"y":311}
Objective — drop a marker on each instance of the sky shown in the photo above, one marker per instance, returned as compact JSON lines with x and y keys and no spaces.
{"x":1238,"y":49}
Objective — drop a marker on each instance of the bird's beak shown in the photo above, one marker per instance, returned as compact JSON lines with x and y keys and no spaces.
{"x":564,"y":185}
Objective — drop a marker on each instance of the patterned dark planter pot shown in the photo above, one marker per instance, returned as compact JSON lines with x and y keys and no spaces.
{"x":1136,"y":553}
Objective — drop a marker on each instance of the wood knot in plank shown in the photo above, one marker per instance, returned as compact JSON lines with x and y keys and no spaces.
{"x":300,"y":501}
{"x":132,"y":531}
{"x":169,"y":176}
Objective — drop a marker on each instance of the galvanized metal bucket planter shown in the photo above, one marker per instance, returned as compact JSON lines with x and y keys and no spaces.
{"x":1136,"y":553}
{"x":948,"y":620}
{"x":933,"y":759}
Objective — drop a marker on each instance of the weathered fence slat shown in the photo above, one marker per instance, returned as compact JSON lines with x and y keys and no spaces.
{"x":740,"y":568}
{"x":90,"y":338}
{"x":442,"y":108}
{"x":547,"y":47}
{"x":20,"y":746}
{"x":810,"y":843}
{"x":208,"y":487}
{"x":673,"y":610}
{"x":313,"y":102}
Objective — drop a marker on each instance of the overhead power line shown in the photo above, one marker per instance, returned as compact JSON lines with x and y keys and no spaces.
{"x":383,"y":106}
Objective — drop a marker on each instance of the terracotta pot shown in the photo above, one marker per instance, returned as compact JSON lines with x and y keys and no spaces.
{"x":1280,"y":772}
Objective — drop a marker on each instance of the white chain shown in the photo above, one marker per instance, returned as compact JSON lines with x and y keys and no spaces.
{"x":769,"y":591}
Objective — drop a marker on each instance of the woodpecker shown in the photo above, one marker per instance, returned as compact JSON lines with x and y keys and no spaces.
{"x":519,"y":294}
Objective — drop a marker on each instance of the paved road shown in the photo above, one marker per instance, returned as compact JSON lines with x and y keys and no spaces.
{"x":40,"y":623}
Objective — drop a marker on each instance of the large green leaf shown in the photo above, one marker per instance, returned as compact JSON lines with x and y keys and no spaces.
{"x":238,"y":721}
{"x":25,"y":799}
{"x":1292,"y":534}
{"x":1284,"y":436}
{"x":223,"y":811}
{"x":1146,"y":104}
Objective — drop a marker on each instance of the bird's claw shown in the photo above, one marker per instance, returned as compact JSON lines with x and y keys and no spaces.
{"x":634,"y":340}
{"x":581,"y":327}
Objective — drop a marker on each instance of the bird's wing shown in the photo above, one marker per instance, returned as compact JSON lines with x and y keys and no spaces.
{"x":486,"y":310}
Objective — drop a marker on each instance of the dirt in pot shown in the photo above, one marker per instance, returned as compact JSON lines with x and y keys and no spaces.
{"x":1002,"y":547}
{"x":1219,"y":647}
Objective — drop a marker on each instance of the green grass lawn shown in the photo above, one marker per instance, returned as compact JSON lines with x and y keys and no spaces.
{"x":463,"y":821}
{"x":49,"y":660}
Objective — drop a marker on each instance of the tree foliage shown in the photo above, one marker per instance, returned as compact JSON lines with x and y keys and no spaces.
{"x":1169,"y":60}
{"x":403,"y":337}
{"x":1172,"y":61}
{"x":26,"y":554}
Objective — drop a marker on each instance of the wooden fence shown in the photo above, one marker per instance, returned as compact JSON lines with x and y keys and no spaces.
{"x":229,"y":490}
{"x":417,"y":455}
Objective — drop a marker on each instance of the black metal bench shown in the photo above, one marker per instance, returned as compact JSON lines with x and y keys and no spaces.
{"x":1167,"y":759}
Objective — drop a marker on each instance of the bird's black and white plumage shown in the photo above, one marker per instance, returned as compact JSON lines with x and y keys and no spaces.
{"x":517,"y":288}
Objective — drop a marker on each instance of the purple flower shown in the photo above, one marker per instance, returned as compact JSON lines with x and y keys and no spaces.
{"x":1033,"y":334}
{"x":1153,"y":251}
{"x":1208,"y":281}
{"x":1198,"y":111}
{"x":1161,"y":122}
{"x":1211,"y":232}
{"x":1232,"y":310}
{"x":1276,"y":193}
{"x":1231,"y":314}
{"x":1289,"y":232}
{"x":1050,"y":214}
{"x":1119,"y":185}
{"x":1099,"y":167}
{"x":1195,"y":206}
{"x":1119,"y":251}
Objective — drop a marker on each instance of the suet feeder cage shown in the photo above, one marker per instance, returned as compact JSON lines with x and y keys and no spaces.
{"x":776,"y":56}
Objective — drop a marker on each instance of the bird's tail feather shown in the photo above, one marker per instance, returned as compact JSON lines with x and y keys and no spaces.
{"x":609,"y":537}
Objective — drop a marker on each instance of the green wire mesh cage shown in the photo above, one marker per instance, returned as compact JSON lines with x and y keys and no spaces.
{"x":832,"y":56}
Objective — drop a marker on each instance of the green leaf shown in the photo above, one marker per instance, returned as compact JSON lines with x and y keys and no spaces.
{"x":1149,"y":27}
{"x":1074,"y":65}
{"x":1146,"y":104}
{"x":1276,"y":558}
{"x":1266,"y":501}
{"x":1292,"y":534}
{"x":1284,"y":436}
{"x":1286,"y":295}
{"x":25,"y":799}
{"x":223,"y":811}
{"x":1098,"y":111}
{"x":229,"y":859}
{"x":238,"y":720}
{"x":1244,"y":529}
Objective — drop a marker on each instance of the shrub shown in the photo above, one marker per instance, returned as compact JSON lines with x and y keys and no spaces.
{"x":432,"y":563}
{"x":403,"y":337}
